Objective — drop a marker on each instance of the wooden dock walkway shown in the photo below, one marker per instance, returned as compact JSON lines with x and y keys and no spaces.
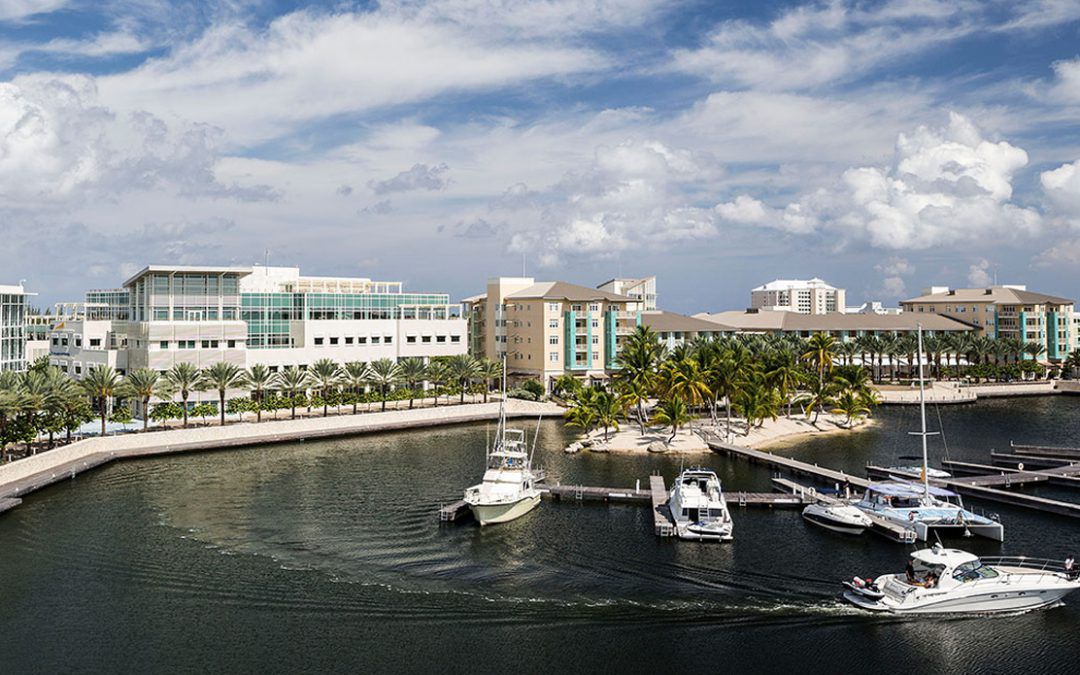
{"x":838,"y":478}
{"x":887,"y":529}
{"x":663,"y":525}
{"x":1029,"y":461}
{"x":1046,"y":451}
{"x":989,"y":493}
{"x":989,"y":475}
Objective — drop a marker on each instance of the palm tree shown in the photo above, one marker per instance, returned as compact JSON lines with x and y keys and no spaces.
{"x":1072,"y":362}
{"x":325,"y":374}
{"x":817,"y":397}
{"x":463,"y":369}
{"x":101,"y":384}
{"x":141,"y":384}
{"x":850,"y":404}
{"x":672,"y":412}
{"x":413,"y":370}
{"x":606,"y":408}
{"x":489,"y":371}
{"x":581,"y":413}
{"x":259,"y":380}
{"x":437,"y":374}
{"x":819,"y":352}
{"x":684,"y":380}
{"x":785,"y":375}
{"x":223,"y":376}
{"x":355,"y":375}
{"x":383,"y":373}
{"x":756,"y":401}
{"x":293,"y":382}
{"x":726,"y":376}
{"x":633,"y":394}
{"x":184,"y":378}
{"x":637,"y":363}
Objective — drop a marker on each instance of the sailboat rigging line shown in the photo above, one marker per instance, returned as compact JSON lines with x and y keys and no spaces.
{"x":536,"y":437}
{"x":941,"y":430}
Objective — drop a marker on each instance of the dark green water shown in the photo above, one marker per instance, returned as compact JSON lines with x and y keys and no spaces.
{"x":328,"y":557}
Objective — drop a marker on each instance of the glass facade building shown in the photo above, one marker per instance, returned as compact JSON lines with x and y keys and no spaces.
{"x":268,"y":314}
{"x":12,"y":328}
{"x":108,"y":304}
{"x":185,"y":296}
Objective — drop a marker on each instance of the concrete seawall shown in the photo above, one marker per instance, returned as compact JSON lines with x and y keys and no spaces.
{"x":32,"y":473}
{"x":949,"y":392}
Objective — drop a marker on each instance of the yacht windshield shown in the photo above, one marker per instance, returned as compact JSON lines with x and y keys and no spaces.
{"x":973,"y":571}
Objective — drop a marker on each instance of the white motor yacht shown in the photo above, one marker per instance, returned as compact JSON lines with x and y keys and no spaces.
{"x":921,"y":507}
{"x":837,"y":517}
{"x":698,"y":507}
{"x":930,"y":472}
{"x":944,"y":580}
{"x":508,"y":490}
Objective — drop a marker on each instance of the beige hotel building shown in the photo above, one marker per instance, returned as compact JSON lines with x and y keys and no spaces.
{"x":550,"y":328}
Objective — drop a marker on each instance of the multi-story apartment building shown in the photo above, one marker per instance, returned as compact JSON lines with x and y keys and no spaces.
{"x":676,"y":329}
{"x":551,"y":328}
{"x":642,"y":291}
{"x":841,"y":326}
{"x":248,"y":315}
{"x":12,"y":328}
{"x":1005,"y":311}
{"x":804,"y":296}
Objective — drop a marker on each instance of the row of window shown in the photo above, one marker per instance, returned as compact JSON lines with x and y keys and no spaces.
{"x":196,"y":344}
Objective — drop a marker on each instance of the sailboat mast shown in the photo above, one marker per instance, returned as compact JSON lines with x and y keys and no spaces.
{"x":922,"y":412}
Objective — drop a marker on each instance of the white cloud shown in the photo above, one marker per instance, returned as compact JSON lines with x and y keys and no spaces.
{"x":979,"y":274}
{"x":419,"y":177}
{"x":102,"y":44}
{"x":18,"y":9}
{"x":1062,"y":187}
{"x":630,"y":195}
{"x":945,"y":186}
{"x":306,"y":66}
{"x":59,"y":146}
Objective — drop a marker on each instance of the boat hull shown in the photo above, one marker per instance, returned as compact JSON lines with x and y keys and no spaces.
{"x":493,"y":514}
{"x":822,"y":520}
{"x":996,"y":602}
{"x":693,"y":532}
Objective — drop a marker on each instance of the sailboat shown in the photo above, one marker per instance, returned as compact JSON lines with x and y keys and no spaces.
{"x":920,"y":506}
{"x":508,"y":490}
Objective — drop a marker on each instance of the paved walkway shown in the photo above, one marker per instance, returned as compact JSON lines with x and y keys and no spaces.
{"x":31,"y":473}
{"x":952,"y":392}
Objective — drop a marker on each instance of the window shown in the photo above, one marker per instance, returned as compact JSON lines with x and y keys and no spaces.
{"x":595,"y":323}
{"x":440,"y":338}
{"x":553,"y":339}
{"x":333,"y":340}
{"x":553,"y":323}
{"x":594,"y":307}
{"x":410,"y":339}
{"x":553,"y":356}
{"x":375,"y":339}
{"x":231,"y":344}
{"x":455,"y":338}
{"x":348,"y":340}
{"x":553,"y":306}
{"x":318,"y":341}
{"x":596,"y":339}
{"x":214,"y":344}
{"x":206,"y":344}
{"x":164,"y":344}
{"x":95,"y":342}
{"x":426,"y":338}
{"x":362,"y":339}
{"x":56,"y":341}
{"x":78,"y":368}
{"x":388,"y":340}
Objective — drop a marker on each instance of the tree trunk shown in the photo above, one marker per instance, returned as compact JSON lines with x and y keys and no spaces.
{"x":641,"y":416}
{"x":221,"y":402}
{"x":184,"y":399}
{"x":146,"y":414}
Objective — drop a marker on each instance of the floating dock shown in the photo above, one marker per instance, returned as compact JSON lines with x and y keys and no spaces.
{"x":1067,"y":476}
{"x":656,"y":497}
{"x":839,"y":478}
{"x":1046,"y":451}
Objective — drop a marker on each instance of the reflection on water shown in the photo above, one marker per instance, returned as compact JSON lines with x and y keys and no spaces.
{"x":329,"y":556}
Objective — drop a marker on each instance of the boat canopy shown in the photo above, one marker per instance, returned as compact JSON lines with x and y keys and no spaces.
{"x":897,"y":489}
{"x":949,"y":557}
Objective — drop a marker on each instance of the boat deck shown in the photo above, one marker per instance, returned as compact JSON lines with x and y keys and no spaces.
{"x":885,"y":528}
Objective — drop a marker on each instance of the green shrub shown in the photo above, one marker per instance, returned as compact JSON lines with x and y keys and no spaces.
{"x":534,"y":387}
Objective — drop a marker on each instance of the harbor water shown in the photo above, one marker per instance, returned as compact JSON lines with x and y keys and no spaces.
{"x":328,"y":556}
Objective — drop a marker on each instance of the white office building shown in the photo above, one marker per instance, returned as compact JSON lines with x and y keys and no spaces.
{"x":248,"y":315}
{"x":804,"y":296}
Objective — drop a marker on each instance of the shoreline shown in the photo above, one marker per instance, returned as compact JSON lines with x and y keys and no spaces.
{"x":23,"y":476}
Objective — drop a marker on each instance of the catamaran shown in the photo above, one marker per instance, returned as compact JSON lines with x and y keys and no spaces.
{"x":508,"y":490}
{"x":919,"y":506}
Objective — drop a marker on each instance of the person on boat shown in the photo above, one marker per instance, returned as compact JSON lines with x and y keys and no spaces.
{"x":1070,"y":568}
{"x":909,"y":572}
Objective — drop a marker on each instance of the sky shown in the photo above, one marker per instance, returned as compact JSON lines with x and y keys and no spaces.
{"x":882,"y":145}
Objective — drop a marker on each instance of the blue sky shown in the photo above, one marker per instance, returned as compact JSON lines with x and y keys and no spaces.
{"x":884,"y":146}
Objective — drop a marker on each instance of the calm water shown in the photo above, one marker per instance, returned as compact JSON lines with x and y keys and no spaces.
{"x":328,"y":556}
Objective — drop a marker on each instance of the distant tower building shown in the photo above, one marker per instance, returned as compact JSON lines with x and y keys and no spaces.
{"x":641,"y":290}
{"x":805,"y":296}
{"x":12,"y":328}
